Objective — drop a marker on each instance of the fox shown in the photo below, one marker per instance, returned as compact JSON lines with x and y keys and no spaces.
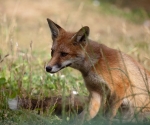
{"x":114,"y":80}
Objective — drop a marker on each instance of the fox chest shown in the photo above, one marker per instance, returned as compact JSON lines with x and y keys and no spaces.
{"x":94,"y":82}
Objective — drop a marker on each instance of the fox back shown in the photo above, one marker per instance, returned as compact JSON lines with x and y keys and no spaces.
{"x":113,"y":79}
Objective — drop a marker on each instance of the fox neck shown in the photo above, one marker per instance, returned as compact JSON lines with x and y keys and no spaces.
{"x":88,"y":59}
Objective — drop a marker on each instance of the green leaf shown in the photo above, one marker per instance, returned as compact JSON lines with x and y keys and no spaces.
{"x":2,"y":81}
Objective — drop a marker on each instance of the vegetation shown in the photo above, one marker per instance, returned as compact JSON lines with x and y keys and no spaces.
{"x":25,"y":50}
{"x":137,"y":15}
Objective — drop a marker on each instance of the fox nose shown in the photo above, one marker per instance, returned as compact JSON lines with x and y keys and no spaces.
{"x":48,"y":69}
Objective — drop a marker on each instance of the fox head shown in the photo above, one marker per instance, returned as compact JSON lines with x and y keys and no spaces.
{"x":67,"y":48}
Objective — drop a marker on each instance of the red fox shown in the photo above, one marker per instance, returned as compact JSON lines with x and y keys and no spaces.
{"x":114,"y":80}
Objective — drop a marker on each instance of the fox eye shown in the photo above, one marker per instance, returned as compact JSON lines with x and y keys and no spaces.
{"x":63,"y":54}
{"x":52,"y":51}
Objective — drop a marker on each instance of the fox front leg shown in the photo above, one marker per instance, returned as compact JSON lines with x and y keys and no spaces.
{"x":114,"y":103}
{"x":90,"y":111}
{"x":94,"y":104}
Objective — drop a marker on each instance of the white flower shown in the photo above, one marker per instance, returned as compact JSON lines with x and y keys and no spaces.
{"x":62,"y":76}
{"x":74,"y":92}
{"x":51,"y":74}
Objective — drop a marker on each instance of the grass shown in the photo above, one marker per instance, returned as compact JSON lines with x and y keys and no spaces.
{"x":24,"y":51}
{"x":25,"y":76}
{"x":136,"y":15}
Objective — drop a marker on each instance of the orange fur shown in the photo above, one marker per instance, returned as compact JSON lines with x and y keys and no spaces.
{"x":112,"y":78}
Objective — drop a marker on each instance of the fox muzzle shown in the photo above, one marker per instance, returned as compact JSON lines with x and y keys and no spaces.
{"x":56,"y":68}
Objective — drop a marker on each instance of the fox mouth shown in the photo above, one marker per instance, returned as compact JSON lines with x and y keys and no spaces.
{"x":65,"y":66}
{"x":68,"y":65}
{"x":56,"y":68}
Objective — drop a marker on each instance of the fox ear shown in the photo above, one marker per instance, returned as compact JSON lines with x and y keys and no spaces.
{"x":81,"y":35}
{"x":55,"y":28}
